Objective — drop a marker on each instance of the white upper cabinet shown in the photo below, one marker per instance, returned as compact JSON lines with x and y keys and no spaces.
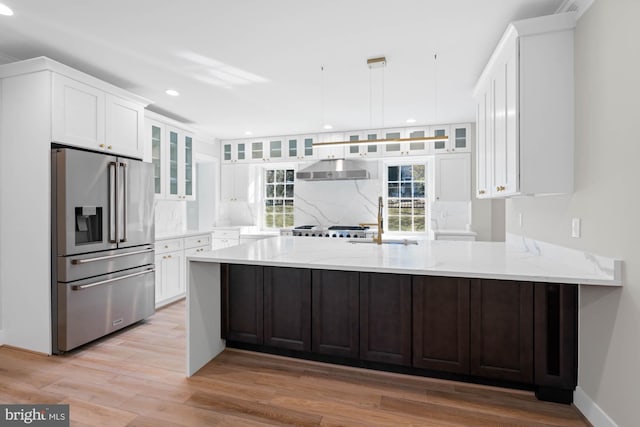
{"x":362,"y":151}
{"x":88,"y":117}
{"x":124,"y":126}
{"x":180,"y":165}
{"x":453,"y":177}
{"x":460,"y":138}
{"x":234,"y":152}
{"x":330,"y":151}
{"x":78,"y":114}
{"x":300,"y":147}
{"x":417,"y":147}
{"x":170,"y":149}
{"x":525,"y":111}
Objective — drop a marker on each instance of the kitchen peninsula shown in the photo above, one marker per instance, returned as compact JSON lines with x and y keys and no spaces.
{"x":499,"y":313}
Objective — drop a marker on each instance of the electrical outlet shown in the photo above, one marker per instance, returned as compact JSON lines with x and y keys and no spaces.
{"x":575,"y":228}
{"x":520,"y":219}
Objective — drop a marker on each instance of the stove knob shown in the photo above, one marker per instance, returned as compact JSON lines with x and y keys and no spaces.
{"x":334,"y":235}
{"x":306,"y":234}
{"x":313,"y":234}
{"x":348,"y":235}
{"x":327,"y":235}
{"x":340,"y":235}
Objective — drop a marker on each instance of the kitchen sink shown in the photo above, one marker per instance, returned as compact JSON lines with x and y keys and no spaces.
{"x":386,"y":242}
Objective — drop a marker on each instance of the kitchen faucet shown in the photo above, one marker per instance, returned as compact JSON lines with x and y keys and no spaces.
{"x":378,"y":238}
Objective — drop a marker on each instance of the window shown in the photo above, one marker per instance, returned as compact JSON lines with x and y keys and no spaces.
{"x":278,"y":198}
{"x":406,"y":198}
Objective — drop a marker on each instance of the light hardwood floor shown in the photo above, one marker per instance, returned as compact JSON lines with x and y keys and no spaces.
{"x":136,"y":378}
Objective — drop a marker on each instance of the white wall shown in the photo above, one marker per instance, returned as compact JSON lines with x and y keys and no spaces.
{"x":607,"y":70}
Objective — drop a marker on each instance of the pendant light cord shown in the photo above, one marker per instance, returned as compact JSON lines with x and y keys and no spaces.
{"x":435,"y":86}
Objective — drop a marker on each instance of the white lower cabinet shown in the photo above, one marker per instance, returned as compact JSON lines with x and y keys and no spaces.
{"x":171,"y":268}
{"x":225,"y":237}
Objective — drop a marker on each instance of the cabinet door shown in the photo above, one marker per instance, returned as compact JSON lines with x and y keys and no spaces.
{"x":453,"y":177}
{"x":385,"y":318}
{"x":440,"y":146}
{"x":441,"y":323}
{"x":418,"y":147}
{"x":394,"y":148}
{"x":355,"y":150}
{"x":276,"y":151}
{"x":330,"y":151}
{"x":78,"y":114}
{"x":257,"y":150}
{"x":502,"y":330}
{"x":156,"y":139}
{"x":287,"y":308}
{"x":160,"y":285}
{"x":124,"y":127}
{"x":556,"y":336}
{"x":188,"y":169}
{"x":505,"y":141}
{"x":173,"y":274}
{"x":241,"y":180}
{"x":483,"y":147}
{"x":335,"y":313}
{"x":173,"y":164}
{"x":460,"y":139}
{"x":242,"y":303}
{"x":227,"y":175}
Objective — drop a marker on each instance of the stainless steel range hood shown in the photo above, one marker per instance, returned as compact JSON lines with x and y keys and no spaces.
{"x":333,"y":170}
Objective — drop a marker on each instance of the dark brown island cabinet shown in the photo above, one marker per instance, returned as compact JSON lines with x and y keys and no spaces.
{"x":501,"y":332}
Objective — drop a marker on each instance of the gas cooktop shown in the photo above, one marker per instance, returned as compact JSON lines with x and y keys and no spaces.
{"x":348,"y":231}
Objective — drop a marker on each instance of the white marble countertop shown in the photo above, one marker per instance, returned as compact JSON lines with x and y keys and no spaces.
{"x":248,"y":231}
{"x":181,"y":234}
{"x":491,"y":260}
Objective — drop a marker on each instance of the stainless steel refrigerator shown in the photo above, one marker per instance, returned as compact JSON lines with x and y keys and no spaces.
{"x":102,"y":245}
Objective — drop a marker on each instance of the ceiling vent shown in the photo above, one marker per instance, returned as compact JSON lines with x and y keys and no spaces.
{"x":578,"y":6}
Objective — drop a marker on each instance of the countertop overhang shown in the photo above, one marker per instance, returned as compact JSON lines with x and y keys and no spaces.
{"x":528,"y":261}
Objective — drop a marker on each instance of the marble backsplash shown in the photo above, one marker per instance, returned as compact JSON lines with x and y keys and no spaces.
{"x":170,"y":216}
{"x":336,"y":202}
{"x":450,"y":215}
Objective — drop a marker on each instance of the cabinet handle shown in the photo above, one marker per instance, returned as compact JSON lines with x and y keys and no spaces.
{"x":166,"y":246}
{"x":101,"y":145}
{"x":501,"y":188}
{"x":109,"y":147}
{"x":481,"y":192}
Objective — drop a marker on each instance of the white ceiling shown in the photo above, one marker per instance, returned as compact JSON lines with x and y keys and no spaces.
{"x":256,"y":64}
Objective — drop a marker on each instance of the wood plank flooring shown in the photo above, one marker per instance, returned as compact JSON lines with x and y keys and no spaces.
{"x":136,"y":378}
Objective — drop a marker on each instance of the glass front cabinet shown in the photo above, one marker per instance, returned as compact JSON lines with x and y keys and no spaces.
{"x":364,"y":150}
{"x":181,"y":167}
{"x":234,"y":152}
{"x":172,"y":157}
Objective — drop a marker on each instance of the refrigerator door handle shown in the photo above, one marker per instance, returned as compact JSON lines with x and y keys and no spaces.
{"x":113,"y":202}
{"x":105,"y":282}
{"x":102,"y":258}
{"x":124,"y":202}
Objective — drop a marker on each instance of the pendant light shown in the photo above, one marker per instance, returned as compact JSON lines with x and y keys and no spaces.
{"x":374,"y":63}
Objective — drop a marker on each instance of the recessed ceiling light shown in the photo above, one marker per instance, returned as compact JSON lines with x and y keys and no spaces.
{"x":248,"y":133}
{"x":411,"y":120}
{"x":4,"y":10}
{"x":172,"y":92}
{"x":328,"y":127}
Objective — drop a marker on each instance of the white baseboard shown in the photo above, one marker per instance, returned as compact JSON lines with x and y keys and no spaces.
{"x":596,"y":416}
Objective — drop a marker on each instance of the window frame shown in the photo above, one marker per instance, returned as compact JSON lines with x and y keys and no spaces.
{"x":263,"y":195}
{"x":429,"y":164}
